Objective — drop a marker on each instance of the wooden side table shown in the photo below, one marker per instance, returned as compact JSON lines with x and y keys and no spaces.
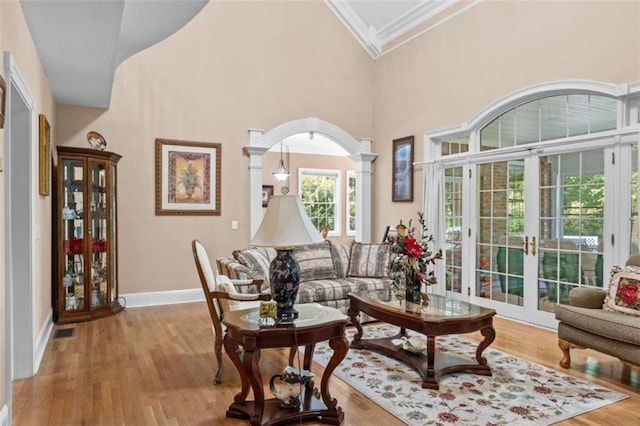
{"x":316,"y":323}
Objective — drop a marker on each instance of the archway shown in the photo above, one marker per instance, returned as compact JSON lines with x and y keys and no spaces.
{"x":359,"y":152}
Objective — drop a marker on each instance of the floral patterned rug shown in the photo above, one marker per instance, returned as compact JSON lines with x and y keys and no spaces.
{"x":518,"y":393}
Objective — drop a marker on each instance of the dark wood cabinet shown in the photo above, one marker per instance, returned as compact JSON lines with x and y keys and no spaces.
{"x":86,"y":252}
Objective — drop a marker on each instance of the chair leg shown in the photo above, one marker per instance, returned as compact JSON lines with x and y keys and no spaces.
{"x":218,"y":351}
{"x":565,"y":347}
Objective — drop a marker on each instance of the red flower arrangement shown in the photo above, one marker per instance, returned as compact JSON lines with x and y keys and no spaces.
{"x":412,"y":258}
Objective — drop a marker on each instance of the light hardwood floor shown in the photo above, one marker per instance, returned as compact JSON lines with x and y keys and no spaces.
{"x":155,"y":365}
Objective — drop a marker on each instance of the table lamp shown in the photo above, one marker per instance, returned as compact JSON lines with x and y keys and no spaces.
{"x":284,"y":226}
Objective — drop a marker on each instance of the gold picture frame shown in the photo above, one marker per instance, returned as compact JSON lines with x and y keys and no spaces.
{"x":188,"y":178}
{"x":44,"y":179}
{"x":402,"y":181}
{"x":3,"y":98}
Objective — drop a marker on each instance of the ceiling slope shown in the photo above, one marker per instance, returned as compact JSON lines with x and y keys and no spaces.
{"x":81,"y":43}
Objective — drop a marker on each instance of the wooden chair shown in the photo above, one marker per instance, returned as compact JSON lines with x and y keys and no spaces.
{"x":222,"y":295}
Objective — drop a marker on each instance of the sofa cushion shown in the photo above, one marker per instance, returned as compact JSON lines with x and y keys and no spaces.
{"x":321,"y":291}
{"x":369,"y":260}
{"x":315,"y":261}
{"x":234,"y":269}
{"x":341,"y":254}
{"x":608,"y":324}
{"x":624,"y":291}
{"x":257,"y":259}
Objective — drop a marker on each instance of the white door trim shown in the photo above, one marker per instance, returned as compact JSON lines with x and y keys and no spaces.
{"x":20,"y":131}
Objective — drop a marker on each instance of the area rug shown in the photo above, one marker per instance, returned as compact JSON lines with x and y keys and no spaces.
{"x":518,"y":393}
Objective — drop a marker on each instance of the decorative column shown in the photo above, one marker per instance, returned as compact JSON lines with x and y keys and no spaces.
{"x":363,"y":161}
{"x":256,"y":164}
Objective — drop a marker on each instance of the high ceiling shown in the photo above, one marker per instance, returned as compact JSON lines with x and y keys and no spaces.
{"x":82,"y":42}
{"x":376,"y":23}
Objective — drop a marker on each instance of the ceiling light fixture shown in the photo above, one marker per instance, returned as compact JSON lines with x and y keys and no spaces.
{"x":281,"y":173}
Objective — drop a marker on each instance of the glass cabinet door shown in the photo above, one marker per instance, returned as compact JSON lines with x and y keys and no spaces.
{"x":113,"y":243}
{"x":98,"y":233}
{"x":72,"y":234}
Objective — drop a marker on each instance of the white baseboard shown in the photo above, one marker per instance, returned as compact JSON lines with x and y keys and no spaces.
{"x":42,"y":340}
{"x":137,"y":300}
{"x":4,"y":415}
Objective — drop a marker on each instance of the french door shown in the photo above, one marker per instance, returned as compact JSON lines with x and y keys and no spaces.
{"x":540,"y":224}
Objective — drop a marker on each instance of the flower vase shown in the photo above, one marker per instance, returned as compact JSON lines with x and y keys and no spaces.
{"x":412,"y":288}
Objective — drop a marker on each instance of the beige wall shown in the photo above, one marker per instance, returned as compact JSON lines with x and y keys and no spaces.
{"x":15,"y":38}
{"x":296,"y":161}
{"x":237,"y":65}
{"x":449,"y":74}
{"x":241,"y":65}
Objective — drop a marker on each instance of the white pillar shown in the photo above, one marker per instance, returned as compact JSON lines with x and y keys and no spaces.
{"x":256,"y":162}
{"x":363,"y":161}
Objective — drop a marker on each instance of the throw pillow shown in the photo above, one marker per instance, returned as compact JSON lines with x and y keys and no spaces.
{"x":624,"y":291}
{"x":341,"y":254}
{"x":315,"y":262}
{"x":257,"y":259}
{"x":369,"y":260}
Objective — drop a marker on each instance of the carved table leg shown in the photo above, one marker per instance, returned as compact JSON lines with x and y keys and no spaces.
{"x":431,"y":356}
{"x":565,"y":347}
{"x":231,"y":350}
{"x":251,"y":367}
{"x":353,"y":314}
{"x":489,"y":336}
{"x":340,"y":347}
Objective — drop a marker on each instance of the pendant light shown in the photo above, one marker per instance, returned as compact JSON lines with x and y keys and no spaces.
{"x":281,"y":173}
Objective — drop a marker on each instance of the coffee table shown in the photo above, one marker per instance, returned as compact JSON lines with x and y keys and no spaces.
{"x":440,"y":317}
{"x":315,"y":323}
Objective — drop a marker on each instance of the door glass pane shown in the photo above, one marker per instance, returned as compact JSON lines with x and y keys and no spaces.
{"x":571,"y":224}
{"x":453,"y":237}
{"x":73,"y":234}
{"x":633,"y":227}
{"x":113,"y":243}
{"x":500,"y":232}
{"x":99,"y":238}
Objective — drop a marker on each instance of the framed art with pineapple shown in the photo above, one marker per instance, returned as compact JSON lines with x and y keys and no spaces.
{"x":187,"y":177}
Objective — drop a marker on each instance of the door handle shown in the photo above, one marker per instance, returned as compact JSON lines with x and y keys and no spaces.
{"x":533,"y":245}
{"x":526,"y":245}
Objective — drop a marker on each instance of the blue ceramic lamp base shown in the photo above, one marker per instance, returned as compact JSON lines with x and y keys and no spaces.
{"x":284,"y":274}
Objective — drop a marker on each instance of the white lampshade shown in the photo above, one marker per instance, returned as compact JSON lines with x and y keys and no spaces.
{"x":285,"y":224}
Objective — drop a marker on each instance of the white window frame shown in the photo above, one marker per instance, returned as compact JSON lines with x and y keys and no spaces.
{"x":351,"y":174}
{"x":337,"y":198}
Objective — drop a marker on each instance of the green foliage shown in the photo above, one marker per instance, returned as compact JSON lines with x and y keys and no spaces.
{"x":317,"y":194}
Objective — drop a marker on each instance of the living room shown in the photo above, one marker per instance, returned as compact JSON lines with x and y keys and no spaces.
{"x":238,"y":66}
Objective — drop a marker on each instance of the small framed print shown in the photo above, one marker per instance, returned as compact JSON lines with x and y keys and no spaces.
{"x":44,"y":181}
{"x":402,"y":189}
{"x":267,"y":193}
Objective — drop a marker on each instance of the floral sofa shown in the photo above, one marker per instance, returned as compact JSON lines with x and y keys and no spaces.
{"x":328,"y":271}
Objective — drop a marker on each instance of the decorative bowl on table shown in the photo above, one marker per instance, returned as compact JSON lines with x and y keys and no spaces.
{"x":413,"y":344}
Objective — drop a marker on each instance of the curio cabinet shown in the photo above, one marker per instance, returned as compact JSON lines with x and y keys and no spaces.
{"x":86,"y":247}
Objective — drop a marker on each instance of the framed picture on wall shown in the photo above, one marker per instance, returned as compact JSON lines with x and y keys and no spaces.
{"x":44,"y":179}
{"x":3,"y":97}
{"x":267,"y":193}
{"x":402,"y":175}
{"x":187,"y":178}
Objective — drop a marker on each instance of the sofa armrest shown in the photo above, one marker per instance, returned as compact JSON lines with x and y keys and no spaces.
{"x":584,"y":297}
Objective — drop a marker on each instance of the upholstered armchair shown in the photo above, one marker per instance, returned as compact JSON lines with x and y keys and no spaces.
{"x":585,"y":323}
{"x":223,"y":295}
